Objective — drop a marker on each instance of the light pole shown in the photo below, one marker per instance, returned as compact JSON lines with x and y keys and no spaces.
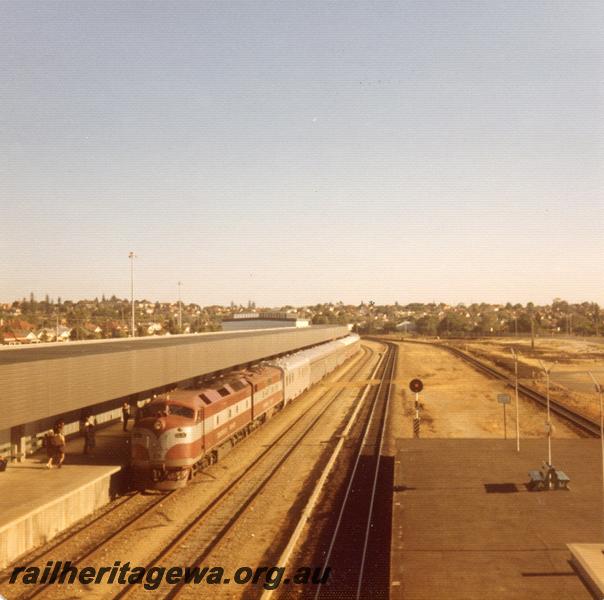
{"x":132,"y":256}
{"x":516,"y":392}
{"x":549,"y":421}
{"x":179,"y":309}
{"x":599,"y":391}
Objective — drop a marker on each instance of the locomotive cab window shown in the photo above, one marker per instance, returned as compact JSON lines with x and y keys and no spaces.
{"x":224,"y":392}
{"x":181,"y":411}
{"x":156,"y":409}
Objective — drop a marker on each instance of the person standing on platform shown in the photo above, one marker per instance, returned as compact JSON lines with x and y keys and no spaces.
{"x":125,"y":415}
{"x":50,"y":449}
{"x":58,"y":444}
{"x":89,"y":436}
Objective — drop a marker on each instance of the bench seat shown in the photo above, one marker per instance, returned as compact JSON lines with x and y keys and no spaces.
{"x":563,"y":479}
{"x":537,"y":479}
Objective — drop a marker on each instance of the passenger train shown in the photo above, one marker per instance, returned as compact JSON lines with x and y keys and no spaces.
{"x":177,"y":434}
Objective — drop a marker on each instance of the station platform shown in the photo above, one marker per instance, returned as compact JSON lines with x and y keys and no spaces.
{"x":588,"y":559}
{"x":465,"y":525}
{"x":37,"y":503}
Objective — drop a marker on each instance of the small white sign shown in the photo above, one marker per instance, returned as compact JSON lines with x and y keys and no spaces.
{"x":503,"y":398}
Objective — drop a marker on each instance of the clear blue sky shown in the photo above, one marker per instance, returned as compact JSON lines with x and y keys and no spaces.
{"x":298,"y":152}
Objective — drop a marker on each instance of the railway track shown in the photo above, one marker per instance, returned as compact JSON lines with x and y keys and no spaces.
{"x":95,"y":534}
{"x":580,"y":422}
{"x":44,"y":552}
{"x":211,"y":526}
{"x":359,"y":545}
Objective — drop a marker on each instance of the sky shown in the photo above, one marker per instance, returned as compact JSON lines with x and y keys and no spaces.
{"x":301,"y":152}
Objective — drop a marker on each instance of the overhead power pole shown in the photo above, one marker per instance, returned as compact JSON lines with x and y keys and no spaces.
{"x":179,"y":309}
{"x":132,"y":256}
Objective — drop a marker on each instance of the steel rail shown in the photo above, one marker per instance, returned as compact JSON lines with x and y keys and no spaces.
{"x":66,"y":536}
{"x":131,"y":522}
{"x":385,"y":379}
{"x":388,"y":377}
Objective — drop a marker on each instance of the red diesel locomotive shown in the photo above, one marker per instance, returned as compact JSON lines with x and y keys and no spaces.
{"x":177,"y":434}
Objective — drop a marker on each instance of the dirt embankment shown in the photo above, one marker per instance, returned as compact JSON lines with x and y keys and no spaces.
{"x":570,"y":361}
{"x":458,"y":401}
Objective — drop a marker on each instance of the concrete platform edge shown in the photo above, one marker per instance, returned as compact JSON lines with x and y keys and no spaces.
{"x":584,"y":557}
{"x":43,"y":523}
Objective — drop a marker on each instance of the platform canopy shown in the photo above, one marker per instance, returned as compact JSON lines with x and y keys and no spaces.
{"x":43,"y":380}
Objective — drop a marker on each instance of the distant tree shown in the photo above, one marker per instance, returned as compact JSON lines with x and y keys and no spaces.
{"x":524,"y":323}
{"x":582,"y":325}
{"x":342,"y":319}
{"x":172,"y":326}
{"x":416,"y":307}
{"x":488,"y":323}
{"x":389,"y":326}
{"x":454,"y":323}
{"x":79,"y":333}
{"x":427,"y":325}
{"x":559,"y":305}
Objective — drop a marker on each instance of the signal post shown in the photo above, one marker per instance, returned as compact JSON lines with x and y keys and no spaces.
{"x":416,"y":386}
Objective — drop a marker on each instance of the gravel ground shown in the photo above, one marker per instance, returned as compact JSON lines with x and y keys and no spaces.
{"x":571,"y":359}
{"x":457,"y":401}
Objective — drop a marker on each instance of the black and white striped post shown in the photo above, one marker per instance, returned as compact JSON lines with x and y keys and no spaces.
{"x":416,"y":386}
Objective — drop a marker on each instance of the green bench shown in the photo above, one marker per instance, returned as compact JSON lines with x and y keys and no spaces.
{"x":563,"y":480}
{"x":547,"y":478}
{"x":537,"y":481}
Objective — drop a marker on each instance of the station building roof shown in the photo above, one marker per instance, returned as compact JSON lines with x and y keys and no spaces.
{"x":44,"y":380}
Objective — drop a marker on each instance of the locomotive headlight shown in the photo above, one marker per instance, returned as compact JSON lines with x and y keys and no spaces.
{"x":157,"y":425}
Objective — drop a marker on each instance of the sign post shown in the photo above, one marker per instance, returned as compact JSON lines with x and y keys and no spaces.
{"x":516,"y":394}
{"x":416,"y":386}
{"x":504,"y":399}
